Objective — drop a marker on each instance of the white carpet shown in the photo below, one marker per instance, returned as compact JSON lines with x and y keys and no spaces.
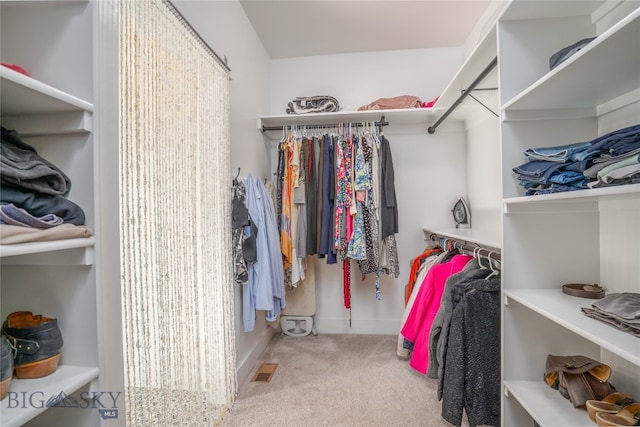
{"x":337,"y":380}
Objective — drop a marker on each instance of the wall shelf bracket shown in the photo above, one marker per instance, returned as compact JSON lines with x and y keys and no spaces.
{"x":465,"y":93}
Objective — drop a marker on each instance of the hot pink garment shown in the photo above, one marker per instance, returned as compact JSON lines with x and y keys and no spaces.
{"x":417,"y":327}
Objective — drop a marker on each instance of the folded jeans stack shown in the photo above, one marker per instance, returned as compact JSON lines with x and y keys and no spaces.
{"x":612,"y":159}
{"x":621,"y":310}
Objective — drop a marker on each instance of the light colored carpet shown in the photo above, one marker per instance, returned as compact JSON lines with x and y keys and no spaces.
{"x":337,"y":380}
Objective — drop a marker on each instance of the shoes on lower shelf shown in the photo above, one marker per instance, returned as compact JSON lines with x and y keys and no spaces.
{"x":37,"y":342}
{"x":6,"y":366}
{"x":627,"y":416}
{"x":611,"y":404}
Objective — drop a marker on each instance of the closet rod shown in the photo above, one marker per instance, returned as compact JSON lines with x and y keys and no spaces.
{"x":466,"y":92}
{"x":381,"y":123}
{"x":194,"y":33}
{"x":466,"y":246}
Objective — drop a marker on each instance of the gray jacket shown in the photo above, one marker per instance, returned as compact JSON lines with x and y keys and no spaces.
{"x":472,"y":362}
{"x":388,"y":200}
{"x":22,"y":167}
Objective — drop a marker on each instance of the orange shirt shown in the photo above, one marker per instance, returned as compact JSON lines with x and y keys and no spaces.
{"x":413,"y":274}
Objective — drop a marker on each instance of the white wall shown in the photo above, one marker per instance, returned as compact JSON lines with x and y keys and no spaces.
{"x":56,"y":55}
{"x":226,"y":28}
{"x":430,"y":170}
{"x":484,"y":24}
{"x":484,"y":188}
{"x":619,"y":239}
{"x":360,"y":78}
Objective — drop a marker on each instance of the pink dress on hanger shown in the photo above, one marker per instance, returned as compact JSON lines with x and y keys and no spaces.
{"x":425,"y":307}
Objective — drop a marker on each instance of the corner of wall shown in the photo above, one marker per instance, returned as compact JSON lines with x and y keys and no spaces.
{"x":245,"y":366}
{"x":484,"y":24}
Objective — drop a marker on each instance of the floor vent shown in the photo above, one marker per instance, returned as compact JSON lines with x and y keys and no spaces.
{"x":265,"y":372}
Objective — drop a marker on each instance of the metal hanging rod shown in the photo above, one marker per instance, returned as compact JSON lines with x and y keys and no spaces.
{"x":493,"y":254}
{"x":465,"y":93}
{"x":194,"y":33}
{"x":381,"y":123}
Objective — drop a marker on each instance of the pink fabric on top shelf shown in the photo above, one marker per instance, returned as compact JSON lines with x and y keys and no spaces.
{"x":418,"y":324}
{"x":431,"y":103}
{"x":403,"y":101}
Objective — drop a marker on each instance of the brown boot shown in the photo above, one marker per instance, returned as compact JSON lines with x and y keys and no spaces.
{"x":37,"y":341}
{"x":6,"y":366}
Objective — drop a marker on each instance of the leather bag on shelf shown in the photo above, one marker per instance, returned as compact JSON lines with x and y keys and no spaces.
{"x":578,"y":378}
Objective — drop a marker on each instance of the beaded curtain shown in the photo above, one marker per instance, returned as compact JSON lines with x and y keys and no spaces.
{"x":175,"y":224}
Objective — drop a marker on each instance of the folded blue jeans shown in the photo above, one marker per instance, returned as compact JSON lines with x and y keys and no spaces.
{"x":541,"y":171}
{"x":553,"y":188}
{"x":536,"y":168}
{"x":578,"y":166}
{"x":568,"y":178}
{"x":625,"y":135}
{"x":560,"y":153}
{"x":625,"y":146}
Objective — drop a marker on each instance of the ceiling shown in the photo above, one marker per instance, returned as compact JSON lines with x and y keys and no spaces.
{"x":309,"y":27}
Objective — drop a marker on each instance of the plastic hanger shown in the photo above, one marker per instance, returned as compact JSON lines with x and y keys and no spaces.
{"x":476,"y":250}
{"x":494,"y":272}
{"x":235,"y":180}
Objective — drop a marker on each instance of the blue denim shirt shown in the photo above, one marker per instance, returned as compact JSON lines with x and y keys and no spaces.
{"x":265,"y":288}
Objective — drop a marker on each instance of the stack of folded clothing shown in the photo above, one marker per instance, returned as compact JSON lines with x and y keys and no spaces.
{"x":612,"y":159}
{"x":34,"y":196}
{"x":397,"y":102}
{"x":621,"y":310}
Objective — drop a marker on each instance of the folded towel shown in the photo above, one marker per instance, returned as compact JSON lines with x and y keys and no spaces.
{"x":313,"y":104}
{"x":403,"y":101}
{"x":13,"y":215}
{"x":12,"y":234}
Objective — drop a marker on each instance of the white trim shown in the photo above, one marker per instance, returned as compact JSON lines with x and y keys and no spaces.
{"x":245,"y":367}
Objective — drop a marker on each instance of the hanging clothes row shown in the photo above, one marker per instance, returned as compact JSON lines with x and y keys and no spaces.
{"x":336,"y":200}
{"x":256,"y":251}
{"x":451,"y":329}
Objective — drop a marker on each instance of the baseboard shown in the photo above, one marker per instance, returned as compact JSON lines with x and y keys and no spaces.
{"x":358,"y":326}
{"x":247,"y":365}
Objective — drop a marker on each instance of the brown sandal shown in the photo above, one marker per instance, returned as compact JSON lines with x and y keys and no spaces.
{"x":610,"y":404}
{"x":627,"y":416}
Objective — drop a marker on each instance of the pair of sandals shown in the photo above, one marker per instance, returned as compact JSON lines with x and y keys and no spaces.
{"x":616,"y":409}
